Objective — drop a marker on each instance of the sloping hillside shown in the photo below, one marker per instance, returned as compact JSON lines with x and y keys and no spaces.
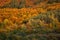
{"x":30,"y":20}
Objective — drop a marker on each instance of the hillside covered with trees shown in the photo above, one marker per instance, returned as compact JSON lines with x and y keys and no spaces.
{"x":29,"y":19}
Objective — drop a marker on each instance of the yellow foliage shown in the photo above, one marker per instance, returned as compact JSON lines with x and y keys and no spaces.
{"x":17,"y":16}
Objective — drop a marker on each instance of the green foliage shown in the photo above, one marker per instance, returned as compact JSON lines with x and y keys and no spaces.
{"x":3,"y":36}
{"x":1,"y":25}
{"x":36,"y":28}
{"x":53,"y":1}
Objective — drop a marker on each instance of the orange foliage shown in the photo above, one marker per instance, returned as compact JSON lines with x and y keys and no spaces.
{"x":3,"y":2}
{"x":54,"y":6}
{"x":29,"y":3}
{"x":18,"y":15}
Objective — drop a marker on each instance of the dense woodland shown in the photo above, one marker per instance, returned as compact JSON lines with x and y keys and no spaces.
{"x":29,"y":19}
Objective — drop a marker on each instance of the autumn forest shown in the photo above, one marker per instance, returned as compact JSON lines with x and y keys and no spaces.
{"x":29,"y":19}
